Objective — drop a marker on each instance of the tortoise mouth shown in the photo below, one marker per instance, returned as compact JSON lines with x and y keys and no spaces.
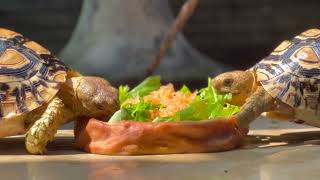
{"x":227,"y":90}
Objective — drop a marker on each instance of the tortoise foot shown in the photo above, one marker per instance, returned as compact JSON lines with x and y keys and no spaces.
{"x":34,"y":146}
{"x":45,"y":128}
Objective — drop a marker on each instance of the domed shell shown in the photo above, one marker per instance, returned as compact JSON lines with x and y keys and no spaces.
{"x":29,"y":74}
{"x":291,"y":72}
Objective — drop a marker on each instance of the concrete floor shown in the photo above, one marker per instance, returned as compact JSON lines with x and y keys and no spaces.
{"x":279,"y":153}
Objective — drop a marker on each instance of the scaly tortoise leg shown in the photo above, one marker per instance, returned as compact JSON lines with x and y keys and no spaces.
{"x":44,"y":129}
{"x":259,"y":102}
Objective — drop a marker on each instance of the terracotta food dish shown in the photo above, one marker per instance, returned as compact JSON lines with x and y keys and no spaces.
{"x":142,"y":138}
{"x":155,"y":123}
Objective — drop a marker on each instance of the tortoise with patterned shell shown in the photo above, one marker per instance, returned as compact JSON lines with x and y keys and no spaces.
{"x":38,"y":92}
{"x":284,"y":85}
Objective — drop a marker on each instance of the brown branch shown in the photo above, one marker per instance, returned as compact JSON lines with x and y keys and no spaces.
{"x":185,"y":13}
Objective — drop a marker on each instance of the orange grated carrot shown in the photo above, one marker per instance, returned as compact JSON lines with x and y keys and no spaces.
{"x":170,"y":100}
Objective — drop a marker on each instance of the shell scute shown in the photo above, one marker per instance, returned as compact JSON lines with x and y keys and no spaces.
{"x":29,"y":74}
{"x":291,"y":72}
{"x":314,"y":33}
{"x":6,"y":34}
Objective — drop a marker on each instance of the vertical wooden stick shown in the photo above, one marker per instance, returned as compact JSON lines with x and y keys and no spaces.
{"x":184,"y":15}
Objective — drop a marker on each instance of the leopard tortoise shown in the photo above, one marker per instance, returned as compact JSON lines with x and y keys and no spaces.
{"x":38,"y":92}
{"x":284,"y":85}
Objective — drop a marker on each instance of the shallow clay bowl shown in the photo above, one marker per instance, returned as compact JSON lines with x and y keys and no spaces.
{"x":145,"y":138}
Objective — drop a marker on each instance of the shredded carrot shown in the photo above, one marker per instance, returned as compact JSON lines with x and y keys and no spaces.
{"x":171,"y":101}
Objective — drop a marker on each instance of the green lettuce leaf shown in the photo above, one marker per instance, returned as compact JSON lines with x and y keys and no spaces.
{"x":185,"y":89}
{"x":118,"y":116}
{"x":148,"y":85}
{"x":137,"y":112}
{"x":123,"y":93}
{"x":140,"y":111}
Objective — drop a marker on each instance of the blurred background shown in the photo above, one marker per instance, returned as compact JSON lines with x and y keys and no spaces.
{"x":234,"y":34}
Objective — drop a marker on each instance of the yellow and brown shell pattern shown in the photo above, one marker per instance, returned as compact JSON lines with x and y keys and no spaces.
{"x":29,"y":74}
{"x":291,"y":72}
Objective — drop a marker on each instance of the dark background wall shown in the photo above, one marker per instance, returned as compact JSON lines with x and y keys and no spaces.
{"x":241,"y":32}
{"x":237,"y":32}
{"x":47,"y":22}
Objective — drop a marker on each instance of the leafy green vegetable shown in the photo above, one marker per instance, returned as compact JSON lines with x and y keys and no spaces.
{"x":185,"y":89}
{"x":148,"y":85}
{"x":123,"y":93}
{"x":208,"y":104}
{"x":118,"y":116}
{"x":139,"y":111}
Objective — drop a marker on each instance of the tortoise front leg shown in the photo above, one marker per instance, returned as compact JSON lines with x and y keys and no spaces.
{"x":44,"y":129}
{"x":255,"y":105}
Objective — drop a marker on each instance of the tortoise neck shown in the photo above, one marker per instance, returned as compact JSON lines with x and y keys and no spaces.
{"x":68,"y":95}
{"x":260,"y":101}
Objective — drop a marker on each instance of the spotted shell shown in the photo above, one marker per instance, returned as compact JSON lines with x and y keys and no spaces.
{"x":29,"y":74}
{"x":291,"y":72}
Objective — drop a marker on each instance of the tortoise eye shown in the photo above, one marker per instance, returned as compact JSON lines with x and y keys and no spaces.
{"x":227,"y":82}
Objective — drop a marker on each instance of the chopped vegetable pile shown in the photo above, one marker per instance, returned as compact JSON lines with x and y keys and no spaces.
{"x":151,"y":101}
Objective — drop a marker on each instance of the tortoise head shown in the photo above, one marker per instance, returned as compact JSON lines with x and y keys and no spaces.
{"x":240,"y":84}
{"x":97,"y":97}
